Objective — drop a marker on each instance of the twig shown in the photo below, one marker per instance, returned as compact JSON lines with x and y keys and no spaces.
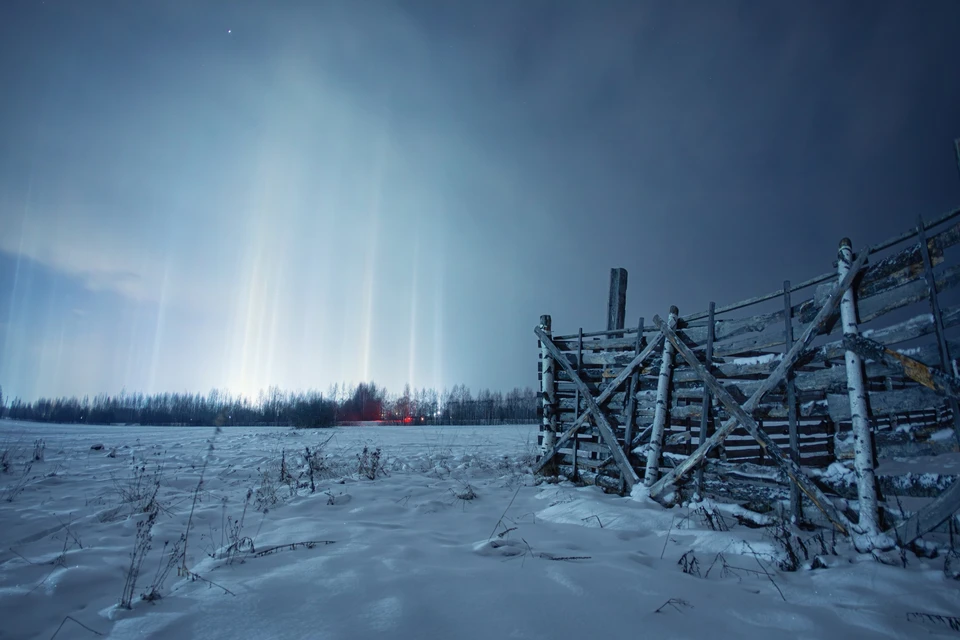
{"x":78,"y":622}
{"x":206,"y":459}
{"x":673,"y":602}
{"x":500,"y":521}
{"x":197,"y":576}
{"x":950,"y":621}
{"x":593,"y":516}
{"x":21,"y":556}
{"x":666,"y":538}
{"x":310,"y":544}
{"x":767,"y":573}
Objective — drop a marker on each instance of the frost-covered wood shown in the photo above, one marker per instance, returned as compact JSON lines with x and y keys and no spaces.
{"x":629,"y":414}
{"x":795,"y":507}
{"x":742,"y":416}
{"x":772,"y":381}
{"x":603,"y":424}
{"x":706,"y":399}
{"x":547,"y":389}
{"x":938,"y":321}
{"x":662,"y":411}
{"x":617,"y":302}
{"x":930,"y":517}
{"x":857,"y":396}
{"x":601,"y":398}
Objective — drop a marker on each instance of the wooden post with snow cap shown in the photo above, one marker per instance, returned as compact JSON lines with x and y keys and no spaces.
{"x":652,"y":471}
{"x":857,"y":393}
{"x":707,"y":400}
{"x":548,"y":391}
{"x":796,"y":508}
{"x":617,"y":302}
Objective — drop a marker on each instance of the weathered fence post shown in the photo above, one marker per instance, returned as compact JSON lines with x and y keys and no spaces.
{"x":945,"y":363}
{"x":707,"y":401}
{"x":662,"y":411}
{"x":630,"y":405}
{"x":576,"y":438}
{"x":857,"y":394}
{"x":617,"y":303}
{"x":796,"y":511}
{"x":548,"y":391}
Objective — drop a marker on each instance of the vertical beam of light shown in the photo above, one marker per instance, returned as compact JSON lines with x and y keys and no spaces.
{"x":274,"y":313}
{"x":438,"y":382}
{"x":414,"y":303}
{"x":16,"y":269}
{"x":251,"y":342}
{"x":158,"y":329}
{"x":369,"y":286}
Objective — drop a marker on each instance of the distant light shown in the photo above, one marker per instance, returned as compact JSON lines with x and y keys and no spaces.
{"x":229,"y":31}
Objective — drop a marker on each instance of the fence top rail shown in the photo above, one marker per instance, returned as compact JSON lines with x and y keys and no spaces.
{"x":826,"y":277}
{"x":880,"y":246}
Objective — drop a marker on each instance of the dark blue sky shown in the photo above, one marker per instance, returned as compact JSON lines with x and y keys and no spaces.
{"x":237,"y":194}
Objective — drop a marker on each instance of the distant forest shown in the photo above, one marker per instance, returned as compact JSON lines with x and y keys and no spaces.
{"x":363,"y":403}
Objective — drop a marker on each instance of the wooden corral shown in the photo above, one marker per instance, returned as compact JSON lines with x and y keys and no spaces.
{"x":758,"y":399}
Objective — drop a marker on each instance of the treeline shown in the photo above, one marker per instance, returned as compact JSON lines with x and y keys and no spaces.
{"x":365,"y":402}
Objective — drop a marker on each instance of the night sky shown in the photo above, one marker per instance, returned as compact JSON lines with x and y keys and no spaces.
{"x":202,"y":194}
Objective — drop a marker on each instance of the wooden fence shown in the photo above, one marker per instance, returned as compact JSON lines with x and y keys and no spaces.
{"x":764,"y":391}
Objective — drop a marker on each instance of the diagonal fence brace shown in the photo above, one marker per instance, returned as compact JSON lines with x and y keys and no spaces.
{"x":603,"y":397}
{"x":775,"y":378}
{"x":593,"y":407}
{"x":791,"y":468}
{"x":938,"y":381}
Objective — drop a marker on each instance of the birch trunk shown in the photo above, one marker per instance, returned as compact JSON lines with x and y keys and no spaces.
{"x":548,"y":392}
{"x":652,"y":472}
{"x":857,"y":393}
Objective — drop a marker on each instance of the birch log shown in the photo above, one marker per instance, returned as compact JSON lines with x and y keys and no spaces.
{"x":662,"y":412}
{"x":857,"y":393}
{"x":548,"y":391}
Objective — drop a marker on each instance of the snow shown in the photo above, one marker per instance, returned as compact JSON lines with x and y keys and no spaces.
{"x":763,"y":359}
{"x":410,"y":557}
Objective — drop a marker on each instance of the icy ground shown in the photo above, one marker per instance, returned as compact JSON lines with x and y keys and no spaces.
{"x":452,"y":539}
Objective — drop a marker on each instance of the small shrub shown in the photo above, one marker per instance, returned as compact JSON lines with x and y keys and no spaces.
{"x":173,"y":558}
{"x":369,"y":463}
{"x":265,"y":495}
{"x":690,"y":564}
{"x":17,"y":487}
{"x":141,"y":547}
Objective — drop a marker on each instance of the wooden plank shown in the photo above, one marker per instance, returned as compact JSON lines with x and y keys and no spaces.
{"x":772,"y":381}
{"x":885,"y":402}
{"x":826,"y":277}
{"x":916,"y":327}
{"x":792,"y":469}
{"x":872,"y":307}
{"x":940,"y":382}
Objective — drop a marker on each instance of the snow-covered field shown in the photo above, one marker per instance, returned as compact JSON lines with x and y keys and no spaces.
{"x":454,"y":538}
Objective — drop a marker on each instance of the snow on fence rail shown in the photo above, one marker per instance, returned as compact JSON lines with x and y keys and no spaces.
{"x":606,"y":394}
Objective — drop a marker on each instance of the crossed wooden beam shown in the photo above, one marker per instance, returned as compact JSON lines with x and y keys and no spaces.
{"x":593,"y":407}
{"x":740,"y":413}
{"x":922,"y":522}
